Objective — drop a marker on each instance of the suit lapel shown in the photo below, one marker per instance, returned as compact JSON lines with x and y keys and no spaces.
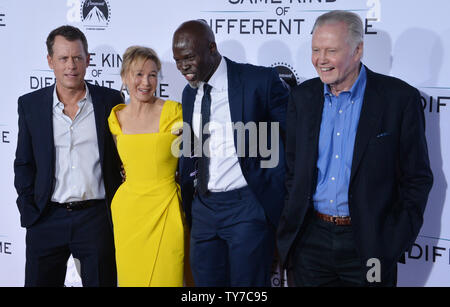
{"x":188,"y":104}
{"x":235,"y":92}
{"x":235,"y":99}
{"x":45,"y":124}
{"x":371,"y":112}
{"x":315,"y":113}
{"x":188,"y":101}
{"x":314,"y":108}
{"x":100,"y":120}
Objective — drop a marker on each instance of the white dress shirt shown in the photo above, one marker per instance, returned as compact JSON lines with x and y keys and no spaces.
{"x":78,"y":174}
{"x":225,"y":173}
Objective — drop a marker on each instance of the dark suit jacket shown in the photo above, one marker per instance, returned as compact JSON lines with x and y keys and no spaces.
{"x":390,"y":173}
{"x":256,"y":94}
{"x":34,"y":166}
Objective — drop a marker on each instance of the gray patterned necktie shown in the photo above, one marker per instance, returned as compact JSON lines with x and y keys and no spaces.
{"x":203,"y":163}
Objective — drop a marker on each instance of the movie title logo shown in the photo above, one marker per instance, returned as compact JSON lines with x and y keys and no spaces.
{"x":287,"y":17}
{"x":95,"y":14}
{"x":5,"y":246}
{"x":429,"y":253}
{"x":4,"y":134}
{"x":433,"y":104}
{"x":103,"y":70}
{"x":287,"y":73}
{"x":2,"y":19}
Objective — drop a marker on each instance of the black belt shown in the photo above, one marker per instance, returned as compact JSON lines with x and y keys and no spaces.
{"x":76,"y":205}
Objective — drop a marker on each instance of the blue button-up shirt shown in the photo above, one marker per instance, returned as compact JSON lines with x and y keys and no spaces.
{"x":340,"y":119}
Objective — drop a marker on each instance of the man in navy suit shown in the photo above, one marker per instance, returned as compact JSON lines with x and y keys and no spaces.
{"x":358,"y":173}
{"x":67,"y":170}
{"x":232,"y":189}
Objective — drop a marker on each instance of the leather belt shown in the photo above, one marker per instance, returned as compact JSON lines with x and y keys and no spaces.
{"x":337,"y":220}
{"x":75,"y":205}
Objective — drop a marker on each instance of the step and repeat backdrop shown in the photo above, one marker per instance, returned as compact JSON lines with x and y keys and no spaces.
{"x":408,"y":39}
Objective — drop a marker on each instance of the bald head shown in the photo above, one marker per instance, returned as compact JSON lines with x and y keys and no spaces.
{"x":195,"y":51}
{"x":196,"y":30}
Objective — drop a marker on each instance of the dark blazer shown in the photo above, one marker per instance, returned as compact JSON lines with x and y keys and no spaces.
{"x":256,"y":94}
{"x":34,"y":166}
{"x":390,"y":173}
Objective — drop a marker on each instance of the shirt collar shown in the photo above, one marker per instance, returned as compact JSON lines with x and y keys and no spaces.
{"x":358,"y":87}
{"x":219,"y":80}
{"x":56,"y":100}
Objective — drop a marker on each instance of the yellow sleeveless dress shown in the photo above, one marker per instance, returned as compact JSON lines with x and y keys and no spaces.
{"x":146,"y":209}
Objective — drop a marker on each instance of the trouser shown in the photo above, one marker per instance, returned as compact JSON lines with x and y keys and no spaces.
{"x":325,"y":254}
{"x":85,"y":233}
{"x":232,"y":242}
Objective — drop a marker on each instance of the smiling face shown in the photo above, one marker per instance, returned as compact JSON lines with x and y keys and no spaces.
{"x":195,"y":52}
{"x":69,"y":62}
{"x":334,"y":58}
{"x":141,"y":80}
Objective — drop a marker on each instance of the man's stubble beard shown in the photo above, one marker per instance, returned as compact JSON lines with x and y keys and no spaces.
{"x":193,"y":84}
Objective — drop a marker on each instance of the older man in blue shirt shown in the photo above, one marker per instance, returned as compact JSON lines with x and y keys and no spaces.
{"x":340,"y":119}
{"x":358,"y":173}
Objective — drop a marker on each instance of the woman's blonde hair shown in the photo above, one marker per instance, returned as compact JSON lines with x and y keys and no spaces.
{"x":138,"y":53}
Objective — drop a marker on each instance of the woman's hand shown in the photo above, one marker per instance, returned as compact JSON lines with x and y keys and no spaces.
{"x":177,"y":132}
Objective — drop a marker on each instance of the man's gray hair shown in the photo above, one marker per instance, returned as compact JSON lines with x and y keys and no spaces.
{"x":352,"y":20}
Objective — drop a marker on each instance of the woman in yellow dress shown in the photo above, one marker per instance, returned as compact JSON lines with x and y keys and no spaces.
{"x":146,"y":209}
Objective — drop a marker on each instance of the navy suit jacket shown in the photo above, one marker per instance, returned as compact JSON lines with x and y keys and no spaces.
{"x":34,"y":165}
{"x":390,"y":173}
{"x":256,"y":94}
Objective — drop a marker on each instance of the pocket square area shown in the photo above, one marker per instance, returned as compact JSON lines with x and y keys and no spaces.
{"x":383,"y":134}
